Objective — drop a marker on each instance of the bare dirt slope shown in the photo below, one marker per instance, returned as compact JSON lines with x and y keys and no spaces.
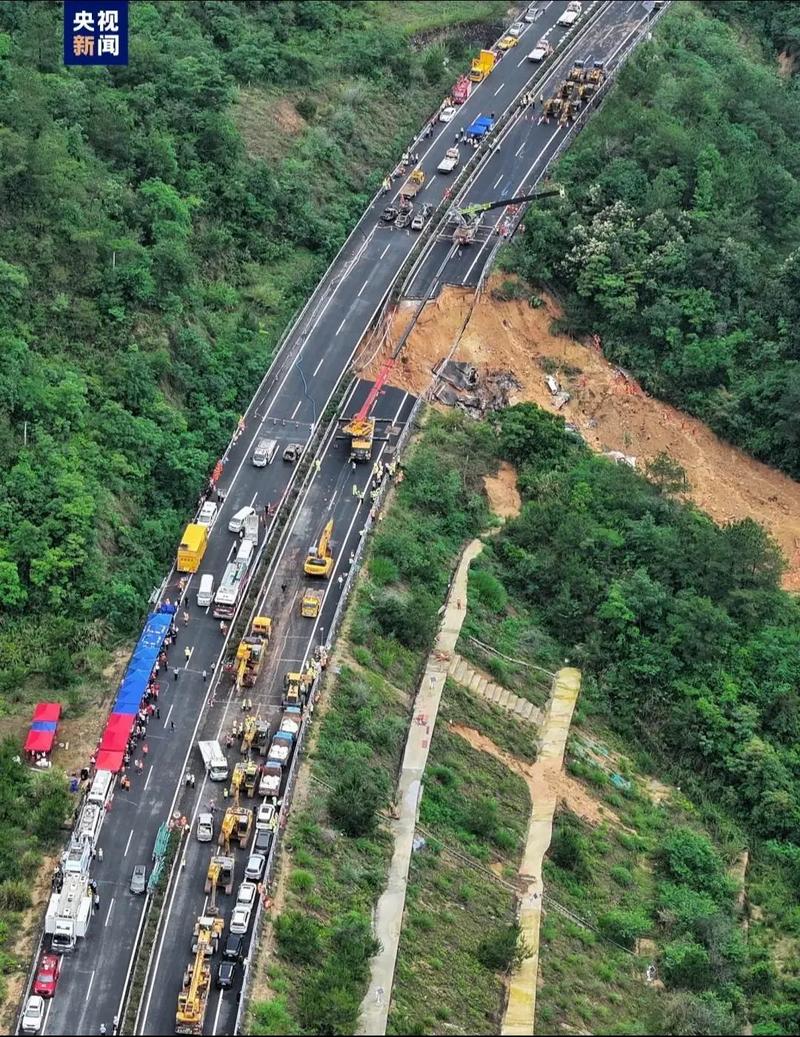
{"x":501,"y":489}
{"x":612,"y":412}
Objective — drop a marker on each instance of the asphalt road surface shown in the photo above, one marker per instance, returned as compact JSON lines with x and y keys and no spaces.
{"x":287,"y":406}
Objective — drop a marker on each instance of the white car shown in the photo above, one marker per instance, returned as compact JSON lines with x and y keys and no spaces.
{"x":208,"y":513}
{"x":447,"y":113}
{"x":255,"y":867}
{"x":240,"y":919}
{"x":516,"y":30}
{"x":246,"y":896}
{"x":541,"y":51}
{"x":266,"y":816}
{"x":33,"y":1015}
{"x":533,"y":14}
{"x":205,"y":828}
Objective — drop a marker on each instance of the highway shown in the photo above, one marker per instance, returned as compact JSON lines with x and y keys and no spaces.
{"x":287,"y":405}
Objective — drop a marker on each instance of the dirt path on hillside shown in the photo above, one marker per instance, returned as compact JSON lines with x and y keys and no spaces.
{"x":612,"y":412}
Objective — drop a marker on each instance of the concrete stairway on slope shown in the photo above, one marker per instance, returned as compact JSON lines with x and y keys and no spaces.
{"x":467,"y":676}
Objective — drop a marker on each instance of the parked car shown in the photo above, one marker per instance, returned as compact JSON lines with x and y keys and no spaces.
{"x":267,"y":816}
{"x":255,"y":867}
{"x":517,"y":29}
{"x":508,"y":42}
{"x":389,"y":214}
{"x":139,"y":879}
{"x":234,"y":948}
{"x":47,"y":975}
{"x":205,"y":828}
{"x":226,"y":973}
{"x":263,"y":841}
{"x":292,"y":452}
{"x":33,"y":1016}
{"x":246,"y":895}
{"x":240,"y":919}
{"x":533,"y":14}
{"x":447,"y":113}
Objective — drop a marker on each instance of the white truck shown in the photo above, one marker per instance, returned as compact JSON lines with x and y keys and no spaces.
{"x":571,"y":15}
{"x":450,"y":161}
{"x":69,"y":910}
{"x":214,"y":759}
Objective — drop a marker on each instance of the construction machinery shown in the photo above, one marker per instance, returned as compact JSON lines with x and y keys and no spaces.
{"x":207,"y":933}
{"x":248,"y":733}
{"x":295,"y":686}
{"x":237,"y":780}
{"x":577,"y":73}
{"x":220,"y":874}
{"x":468,"y":219}
{"x":192,"y":548}
{"x":251,"y":777}
{"x":594,"y":78}
{"x":193,"y":998}
{"x":319,"y":561}
{"x":413,"y":185}
{"x":262,"y":736}
{"x":310,"y":604}
{"x":262,"y":625}
{"x":482,"y":66}
{"x":250,"y":654}
{"x":236,"y":825}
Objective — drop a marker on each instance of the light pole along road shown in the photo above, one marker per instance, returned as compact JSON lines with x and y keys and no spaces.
{"x":287,"y":406}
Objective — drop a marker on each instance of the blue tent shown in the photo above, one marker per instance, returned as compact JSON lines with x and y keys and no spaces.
{"x":134,"y":683}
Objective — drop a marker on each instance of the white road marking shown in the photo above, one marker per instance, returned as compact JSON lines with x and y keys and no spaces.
{"x":498,"y":181}
{"x":381,"y":257}
{"x":497,"y":91}
{"x":128,"y":844}
{"x":108,"y":919}
{"x":363,"y":286}
{"x":89,"y":988}
{"x":188,"y":657}
{"x":252,"y":502}
{"x":519,"y":150}
{"x":147,"y":779}
{"x":297,"y":408}
{"x":219,"y":1009}
{"x":319,"y":365}
{"x":333,"y":500}
{"x":166,"y":721}
{"x":345,"y":318}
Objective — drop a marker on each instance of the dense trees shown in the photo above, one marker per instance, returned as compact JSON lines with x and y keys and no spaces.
{"x":148,"y":263}
{"x":676,"y":240}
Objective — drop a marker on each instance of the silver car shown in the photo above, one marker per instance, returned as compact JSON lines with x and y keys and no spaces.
{"x":139,"y":879}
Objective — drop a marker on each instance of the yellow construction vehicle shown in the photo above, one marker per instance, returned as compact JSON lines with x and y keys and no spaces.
{"x":249,"y":657}
{"x":220,"y":874}
{"x":251,"y":772}
{"x":262,"y":625}
{"x":248,"y":733}
{"x":310,"y":604}
{"x":237,"y":779}
{"x":295,"y":686}
{"x":193,"y":998}
{"x":320,"y":560}
{"x":236,"y":824}
{"x":577,"y":73}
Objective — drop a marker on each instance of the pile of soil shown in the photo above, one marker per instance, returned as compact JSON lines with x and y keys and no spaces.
{"x":609,"y":409}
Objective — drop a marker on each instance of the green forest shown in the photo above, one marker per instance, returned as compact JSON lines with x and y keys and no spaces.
{"x":159,"y":224}
{"x":676,"y":241}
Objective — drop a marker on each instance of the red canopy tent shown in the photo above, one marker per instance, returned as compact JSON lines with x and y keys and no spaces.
{"x":109,"y":760}
{"x":43,"y":728}
{"x":117,"y":732}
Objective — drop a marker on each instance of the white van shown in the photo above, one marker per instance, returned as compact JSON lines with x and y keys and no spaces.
{"x":237,"y":521}
{"x":100,"y":786}
{"x":264,"y":453}
{"x":208,"y":514}
{"x":205,"y":593}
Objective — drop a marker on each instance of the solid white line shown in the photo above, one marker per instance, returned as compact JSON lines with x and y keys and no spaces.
{"x":128,"y":844}
{"x":345,"y":318}
{"x":89,"y":988}
{"x":333,"y":499}
{"x":297,"y":408}
{"x":219,"y":1009}
{"x":363,"y":286}
{"x":108,"y":918}
{"x":319,"y":365}
{"x":147,"y":779}
{"x":380,"y":257}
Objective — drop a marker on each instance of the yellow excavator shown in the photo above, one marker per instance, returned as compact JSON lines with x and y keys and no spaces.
{"x":295,"y":685}
{"x":193,"y":998}
{"x":228,"y":825}
{"x":251,"y":771}
{"x":320,"y":560}
{"x":237,"y":780}
{"x":220,"y":873}
{"x":236,"y":824}
{"x":248,"y":733}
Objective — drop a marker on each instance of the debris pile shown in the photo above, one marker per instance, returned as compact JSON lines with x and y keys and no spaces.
{"x":459,"y":386}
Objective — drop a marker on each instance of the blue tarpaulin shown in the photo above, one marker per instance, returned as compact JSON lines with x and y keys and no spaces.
{"x":481,"y":126}
{"x":134,"y":683}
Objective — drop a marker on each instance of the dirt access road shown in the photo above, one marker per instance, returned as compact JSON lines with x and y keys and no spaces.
{"x":611,"y":412}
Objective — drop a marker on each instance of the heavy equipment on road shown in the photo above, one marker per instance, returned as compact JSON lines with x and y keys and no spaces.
{"x":482,"y":66}
{"x":310,"y":604}
{"x":250,"y":654}
{"x":361,"y":428}
{"x":295,"y":686}
{"x":69,"y":910}
{"x":192,"y":548}
{"x":469,"y":218}
{"x":319,"y":561}
{"x":220,"y":875}
{"x":237,"y":780}
{"x":193,"y":999}
{"x":413,"y":185}
{"x":251,"y":777}
{"x":237,"y":825}
{"x":248,"y":733}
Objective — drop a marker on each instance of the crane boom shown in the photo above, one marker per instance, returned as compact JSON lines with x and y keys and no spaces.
{"x":473,"y":210}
